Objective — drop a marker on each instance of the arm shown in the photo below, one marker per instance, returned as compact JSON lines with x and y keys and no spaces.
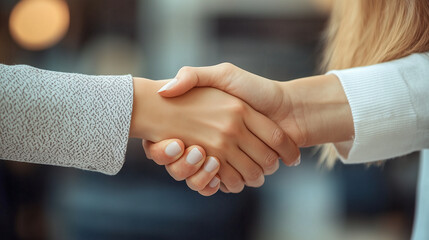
{"x":390,"y":109}
{"x":84,"y":121}
{"x":363,"y":110}
{"x":64,"y":119}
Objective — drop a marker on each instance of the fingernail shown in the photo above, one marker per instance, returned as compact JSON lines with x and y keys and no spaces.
{"x":169,"y":85}
{"x":297,"y":161}
{"x":173,"y":149}
{"x":214,"y":182}
{"x":211,"y":165}
{"x":194,"y":156}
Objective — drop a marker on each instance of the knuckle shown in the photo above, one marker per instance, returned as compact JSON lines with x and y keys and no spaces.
{"x":159,"y":161}
{"x":234,"y":183}
{"x":237,"y":189}
{"x":185,"y":69}
{"x":271,"y":158}
{"x":194,"y":184}
{"x":297,"y":155}
{"x":227,"y":71}
{"x":292,"y":157}
{"x":179,"y":173}
{"x":258,"y":183}
{"x":293,"y":154}
{"x":222,"y":143}
{"x":278,"y":137}
{"x":229,"y":129}
{"x":272,"y":169}
{"x":238,"y":107}
{"x":227,"y":66}
{"x":174,"y":176}
{"x":253,"y":175}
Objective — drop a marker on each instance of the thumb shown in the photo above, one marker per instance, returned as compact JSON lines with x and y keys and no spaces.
{"x":190,"y":77}
{"x":250,"y":88}
{"x":164,"y":152}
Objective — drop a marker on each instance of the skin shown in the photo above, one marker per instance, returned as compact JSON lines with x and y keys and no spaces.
{"x":191,"y":173}
{"x":311,"y":111}
{"x":222,"y":126}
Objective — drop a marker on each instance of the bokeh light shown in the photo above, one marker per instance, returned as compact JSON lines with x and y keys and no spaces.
{"x":39,"y":24}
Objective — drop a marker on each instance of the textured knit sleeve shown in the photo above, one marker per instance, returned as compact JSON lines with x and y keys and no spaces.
{"x":64,"y":119}
{"x":390,"y":108}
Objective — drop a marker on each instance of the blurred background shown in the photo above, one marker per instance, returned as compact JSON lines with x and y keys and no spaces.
{"x":278,"y":39}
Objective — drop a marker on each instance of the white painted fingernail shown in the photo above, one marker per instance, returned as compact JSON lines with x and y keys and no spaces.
{"x":214,"y":182}
{"x":297,"y":161}
{"x":169,"y":85}
{"x":194,"y":156}
{"x":173,"y":149}
{"x":211,"y":165}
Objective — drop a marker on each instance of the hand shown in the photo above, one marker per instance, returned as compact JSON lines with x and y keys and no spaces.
{"x":226,"y":127}
{"x":311,"y":110}
{"x":172,"y":154}
{"x":262,"y":94}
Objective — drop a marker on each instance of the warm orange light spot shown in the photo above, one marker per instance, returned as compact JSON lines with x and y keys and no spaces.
{"x":39,"y":24}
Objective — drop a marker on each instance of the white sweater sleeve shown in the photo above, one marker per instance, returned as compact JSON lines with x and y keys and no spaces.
{"x":390,"y":108}
{"x":64,"y":119}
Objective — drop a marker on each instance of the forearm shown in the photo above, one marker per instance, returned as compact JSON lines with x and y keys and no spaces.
{"x":64,"y":119}
{"x":389,"y":106}
{"x":320,"y":109}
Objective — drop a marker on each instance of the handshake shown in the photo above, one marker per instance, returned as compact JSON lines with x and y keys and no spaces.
{"x":221,"y":127}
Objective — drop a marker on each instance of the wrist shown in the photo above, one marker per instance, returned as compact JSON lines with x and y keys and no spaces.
{"x":320,"y":108}
{"x":145,"y":117}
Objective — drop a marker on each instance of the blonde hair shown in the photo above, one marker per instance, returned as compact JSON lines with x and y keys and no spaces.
{"x":366,"y":32}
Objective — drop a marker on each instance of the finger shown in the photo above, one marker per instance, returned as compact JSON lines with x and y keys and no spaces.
{"x":188,"y":164}
{"x":273,"y":136}
{"x":164,"y":152}
{"x":211,"y":188}
{"x":146,"y":145}
{"x":250,"y":171}
{"x":223,"y":188}
{"x":231,"y":179}
{"x":202,"y":178}
{"x":264,"y":156}
{"x":190,"y":77}
{"x":226,"y":77}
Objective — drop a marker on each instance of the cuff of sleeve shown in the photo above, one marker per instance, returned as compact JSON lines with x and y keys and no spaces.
{"x":115,"y":120}
{"x":384,"y":118}
{"x":105,"y":107}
